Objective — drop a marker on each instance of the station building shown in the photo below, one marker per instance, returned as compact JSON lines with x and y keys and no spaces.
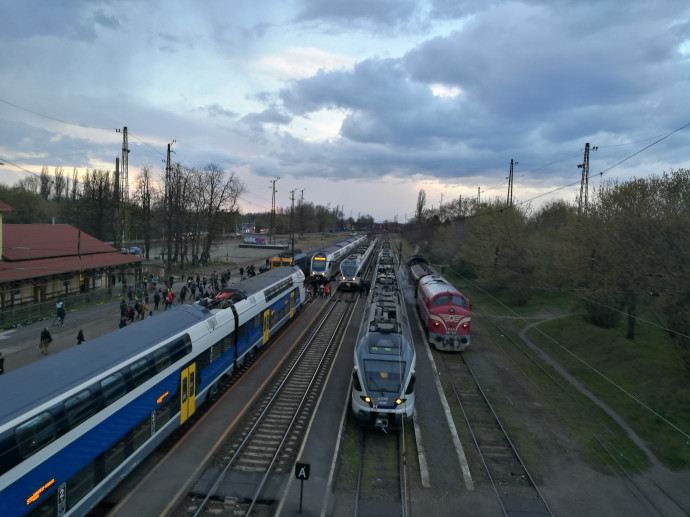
{"x":43,"y":262}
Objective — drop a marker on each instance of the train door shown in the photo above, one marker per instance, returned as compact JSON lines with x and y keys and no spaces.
{"x":292,"y":304}
{"x":267,"y":324}
{"x":187,"y":392}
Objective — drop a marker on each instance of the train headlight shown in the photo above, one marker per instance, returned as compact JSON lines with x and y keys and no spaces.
{"x":465,"y":325}
{"x":399,"y":401}
{"x":437,"y":324}
{"x":367,"y":399}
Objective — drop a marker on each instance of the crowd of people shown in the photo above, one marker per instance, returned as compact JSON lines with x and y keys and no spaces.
{"x":135,"y":306}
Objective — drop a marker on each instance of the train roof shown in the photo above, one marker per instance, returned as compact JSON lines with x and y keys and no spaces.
{"x":420,"y":270}
{"x":245,"y":288}
{"x":417,"y":258}
{"x":379,"y":345}
{"x":436,"y":284}
{"x":340,"y":245}
{"x":40,"y":381}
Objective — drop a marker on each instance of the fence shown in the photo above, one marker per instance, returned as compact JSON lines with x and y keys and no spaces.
{"x":30,"y":313}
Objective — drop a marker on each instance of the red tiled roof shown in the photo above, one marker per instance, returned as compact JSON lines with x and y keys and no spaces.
{"x":36,"y":250}
{"x":36,"y":241}
{"x":25,"y":269}
{"x":4,"y":207}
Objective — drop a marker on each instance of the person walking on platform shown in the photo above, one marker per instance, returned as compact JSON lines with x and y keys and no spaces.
{"x":80,"y":337}
{"x":2,"y":364}
{"x":60,"y":312}
{"x":46,"y":340}
{"x":156,"y":299}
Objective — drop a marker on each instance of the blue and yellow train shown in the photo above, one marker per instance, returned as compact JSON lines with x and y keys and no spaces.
{"x":74,"y":424}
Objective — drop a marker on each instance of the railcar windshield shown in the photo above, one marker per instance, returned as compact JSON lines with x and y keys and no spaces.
{"x":318,"y":264}
{"x":383,"y":376}
{"x":445,"y":299}
{"x":348,"y":268}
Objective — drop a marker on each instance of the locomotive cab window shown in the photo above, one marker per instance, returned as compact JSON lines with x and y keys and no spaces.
{"x":459,"y":301}
{"x":443,"y":299}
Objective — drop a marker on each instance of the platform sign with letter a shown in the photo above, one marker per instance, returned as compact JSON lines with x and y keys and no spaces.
{"x":302,"y":473}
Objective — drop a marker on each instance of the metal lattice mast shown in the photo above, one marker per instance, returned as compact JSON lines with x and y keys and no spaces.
{"x":510,"y":183}
{"x":584,"y":183}
{"x":272,"y":231}
{"x":123,"y":198}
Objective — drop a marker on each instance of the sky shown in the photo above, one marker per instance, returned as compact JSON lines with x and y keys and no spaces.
{"x":358,"y":104}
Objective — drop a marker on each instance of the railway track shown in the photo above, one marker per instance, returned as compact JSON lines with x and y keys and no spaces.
{"x":515,"y":489}
{"x":248,"y":470}
{"x":382,"y":481}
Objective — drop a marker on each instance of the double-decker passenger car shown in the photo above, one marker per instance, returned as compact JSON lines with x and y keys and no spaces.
{"x":74,"y":424}
{"x":445,"y":313}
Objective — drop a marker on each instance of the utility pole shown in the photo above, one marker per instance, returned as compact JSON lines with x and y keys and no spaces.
{"x":584,"y":183}
{"x":292,"y":216}
{"x":124,"y":189}
{"x":301,"y":213}
{"x":118,"y":206}
{"x":168,"y":206}
{"x":479,"y":196}
{"x":272,"y":231}
{"x":510,"y":183}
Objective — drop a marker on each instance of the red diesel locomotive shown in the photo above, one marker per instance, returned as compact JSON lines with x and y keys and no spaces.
{"x":445,"y":313}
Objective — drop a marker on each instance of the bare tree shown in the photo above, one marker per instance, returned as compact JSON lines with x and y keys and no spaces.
{"x":221,"y":194}
{"x":419,"y":211}
{"x":143,"y":192}
{"x":46,"y":183}
{"x":61,"y":187}
{"x":74,"y":191}
{"x":31,"y":183}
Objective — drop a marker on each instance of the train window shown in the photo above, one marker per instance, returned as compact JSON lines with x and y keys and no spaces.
{"x":161,"y":358}
{"x":113,"y":387}
{"x":442,"y":299}
{"x":78,"y":408}
{"x":180,"y":347}
{"x":410,"y":386}
{"x":141,"y":433}
{"x":459,"y":301}
{"x":355,"y":381}
{"x":35,"y":434}
{"x":115,"y":455}
{"x":257,"y":321}
{"x":81,"y":484}
{"x":140,"y":372}
{"x":164,"y":412}
{"x":47,"y":508}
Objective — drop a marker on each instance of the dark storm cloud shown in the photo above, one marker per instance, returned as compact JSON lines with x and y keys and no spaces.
{"x":530,"y":78}
{"x":358,"y":12}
